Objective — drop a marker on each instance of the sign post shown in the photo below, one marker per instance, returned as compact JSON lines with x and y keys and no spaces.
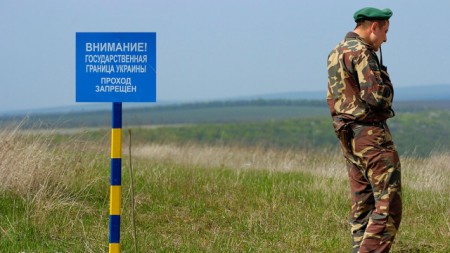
{"x":115,"y":191}
{"x":115,"y":67}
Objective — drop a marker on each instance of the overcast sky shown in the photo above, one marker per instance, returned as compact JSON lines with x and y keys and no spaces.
{"x":209,"y":49}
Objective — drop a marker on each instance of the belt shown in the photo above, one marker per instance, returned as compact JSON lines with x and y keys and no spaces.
{"x":376,"y":123}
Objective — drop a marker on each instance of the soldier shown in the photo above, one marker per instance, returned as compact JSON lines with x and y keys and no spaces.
{"x":360,"y":95}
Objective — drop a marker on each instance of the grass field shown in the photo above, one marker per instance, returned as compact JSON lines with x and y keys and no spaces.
{"x":416,"y":134}
{"x":273,"y":123}
{"x":200,"y":198}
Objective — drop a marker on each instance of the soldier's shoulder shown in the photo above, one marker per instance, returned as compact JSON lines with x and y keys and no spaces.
{"x":353,"y":45}
{"x":349,"y":47}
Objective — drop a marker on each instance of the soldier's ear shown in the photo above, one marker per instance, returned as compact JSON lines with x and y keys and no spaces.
{"x":374,"y":26}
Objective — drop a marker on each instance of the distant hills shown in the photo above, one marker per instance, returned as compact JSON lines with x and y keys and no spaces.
{"x":413,"y":93}
{"x":429,"y":96}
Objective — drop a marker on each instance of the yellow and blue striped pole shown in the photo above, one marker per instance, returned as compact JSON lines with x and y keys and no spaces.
{"x":116,"y":178}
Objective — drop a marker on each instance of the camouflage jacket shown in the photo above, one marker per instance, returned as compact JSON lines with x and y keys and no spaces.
{"x":359,"y":87}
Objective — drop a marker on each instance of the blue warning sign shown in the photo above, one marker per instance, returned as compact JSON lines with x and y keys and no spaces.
{"x":116,"y":67}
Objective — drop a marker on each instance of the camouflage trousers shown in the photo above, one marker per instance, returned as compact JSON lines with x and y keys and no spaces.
{"x":374,"y":173}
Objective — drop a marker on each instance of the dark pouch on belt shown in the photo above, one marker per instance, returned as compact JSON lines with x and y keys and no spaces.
{"x":345,"y":137}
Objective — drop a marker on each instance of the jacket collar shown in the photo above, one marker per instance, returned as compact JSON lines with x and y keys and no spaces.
{"x":353,"y":35}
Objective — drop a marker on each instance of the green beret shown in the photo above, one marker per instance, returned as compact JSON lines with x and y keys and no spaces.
{"x":370,"y":13}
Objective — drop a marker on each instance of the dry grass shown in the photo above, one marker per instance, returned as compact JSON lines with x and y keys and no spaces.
{"x":329,"y":163}
{"x":431,"y":173}
{"x":64,"y":181}
{"x":50,"y":179}
{"x":426,"y":184}
{"x":30,"y":165}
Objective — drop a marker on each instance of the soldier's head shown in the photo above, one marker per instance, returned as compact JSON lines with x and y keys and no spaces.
{"x":372,"y":25}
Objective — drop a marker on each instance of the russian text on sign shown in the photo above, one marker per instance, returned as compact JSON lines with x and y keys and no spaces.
{"x":116,"y":88}
{"x":105,"y":59}
{"x":116,"y":47}
{"x":115,"y":80}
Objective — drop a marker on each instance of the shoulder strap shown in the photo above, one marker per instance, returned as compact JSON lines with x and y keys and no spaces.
{"x":381,"y":57}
